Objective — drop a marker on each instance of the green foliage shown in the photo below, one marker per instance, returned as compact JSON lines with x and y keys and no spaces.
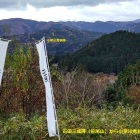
{"x":93,"y":118}
{"x":23,"y":95}
{"x":126,"y":88}
{"x":109,"y":54}
{"x":130,"y":75}
{"x":17,"y":127}
{"x":113,"y":96}
{"x":68,"y":62}
{"x":55,"y":75}
{"x":110,"y":94}
{"x":22,"y":85}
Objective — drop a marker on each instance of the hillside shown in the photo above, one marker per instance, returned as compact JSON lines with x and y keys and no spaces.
{"x":75,"y":39}
{"x":89,"y":106}
{"x":105,"y":27}
{"x":16,"y":26}
{"x":110,"y":53}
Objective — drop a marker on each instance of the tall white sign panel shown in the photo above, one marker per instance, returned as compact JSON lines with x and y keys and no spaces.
{"x":3,"y":50}
{"x":45,"y":73}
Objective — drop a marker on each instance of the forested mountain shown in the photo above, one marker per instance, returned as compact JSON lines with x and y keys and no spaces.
{"x":105,"y":27}
{"x":74,"y":39}
{"x":77,"y":34}
{"x":16,"y":26}
{"x":110,"y":53}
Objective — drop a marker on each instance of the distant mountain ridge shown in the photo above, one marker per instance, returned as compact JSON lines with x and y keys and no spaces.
{"x":136,"y":21}
{"x":106,"y":27}
{"x":78,"y":34}
{"x":17,"y":26}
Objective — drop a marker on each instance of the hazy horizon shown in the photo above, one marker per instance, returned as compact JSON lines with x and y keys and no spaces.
{"x":69,"y":20}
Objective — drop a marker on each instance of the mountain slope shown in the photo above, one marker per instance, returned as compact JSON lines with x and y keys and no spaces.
{"x":105,"y":27}
{"x":110,"y":53}
{"x":97,"y":26}
{"x":75,"y":39}
{"x":17,"y":26}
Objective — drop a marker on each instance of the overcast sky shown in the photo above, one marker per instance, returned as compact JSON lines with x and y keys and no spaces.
{"x":72,"y":10}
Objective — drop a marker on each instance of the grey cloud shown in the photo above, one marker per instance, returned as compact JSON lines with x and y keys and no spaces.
{"x":19,"y":4}
{"x":12,"y":4}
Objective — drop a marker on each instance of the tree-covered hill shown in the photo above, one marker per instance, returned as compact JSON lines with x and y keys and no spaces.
{"x":110,"y":53}
{"x":16,"y":26}
{"x":104,"y":109}
{"x":74,"y":39}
